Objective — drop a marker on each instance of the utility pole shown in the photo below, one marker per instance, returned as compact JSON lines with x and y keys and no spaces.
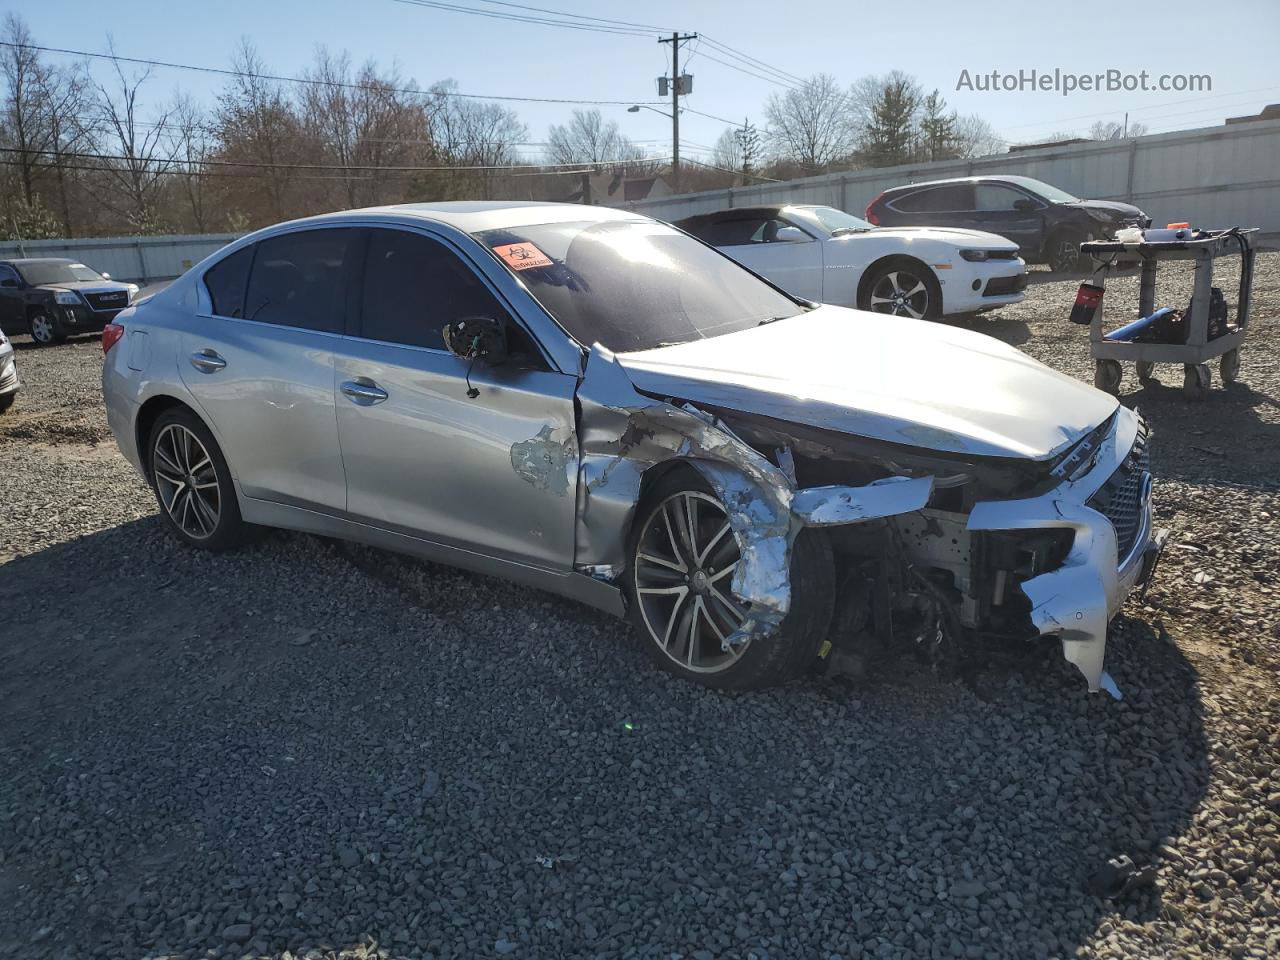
{"x":677,"y":88}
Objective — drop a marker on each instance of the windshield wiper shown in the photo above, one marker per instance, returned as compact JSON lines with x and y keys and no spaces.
{"x":771,"y":320}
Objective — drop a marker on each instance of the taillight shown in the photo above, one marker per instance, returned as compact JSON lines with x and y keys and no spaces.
{"x":111,"y":335}
{"x":867,"y":214}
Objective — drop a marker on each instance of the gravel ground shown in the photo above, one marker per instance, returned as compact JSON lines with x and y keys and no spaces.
{"x":309,"y":750}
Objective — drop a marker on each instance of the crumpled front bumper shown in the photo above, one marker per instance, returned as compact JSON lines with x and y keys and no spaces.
{"x":1076,"y":601}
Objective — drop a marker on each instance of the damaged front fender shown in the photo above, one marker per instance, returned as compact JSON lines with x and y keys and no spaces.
{"x":624,"y":433}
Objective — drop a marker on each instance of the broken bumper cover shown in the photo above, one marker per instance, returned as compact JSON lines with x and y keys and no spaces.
{"x":1076,"y":601}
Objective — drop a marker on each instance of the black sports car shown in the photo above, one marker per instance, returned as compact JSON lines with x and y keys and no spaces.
{"x":52,"y":298}
{"x":1046,"y":223}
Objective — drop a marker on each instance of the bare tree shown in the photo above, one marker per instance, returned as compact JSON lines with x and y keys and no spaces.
{"x":1114,"y":130}
{"x":977,"y":138}
{"x":257,"y":124}
{"x":813,"y":125}
{"x":192,"y":147}
{"x":141,"y":152}
{"x":589,"y":139}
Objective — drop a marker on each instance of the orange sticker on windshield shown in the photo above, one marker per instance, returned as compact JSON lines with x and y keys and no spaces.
{"x":522,"y":256}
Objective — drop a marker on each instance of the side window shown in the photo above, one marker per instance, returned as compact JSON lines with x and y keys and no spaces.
{"x":414,"y":285}
{"x":8,"y":273}
{"x":990,"y":196}
{"x":768,"y":231}
{"x":936,"y":199}
{"x":734,"y":233}
{"x":298,"y":279}
{"x":226,"y":281}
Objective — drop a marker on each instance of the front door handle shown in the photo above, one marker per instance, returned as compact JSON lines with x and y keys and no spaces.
{"x":207,"y":361}
{"x":363,"y":391}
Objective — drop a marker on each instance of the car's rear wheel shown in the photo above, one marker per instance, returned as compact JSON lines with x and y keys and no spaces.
{"x":45,"y":330}
{"x":682,"y":560}
{"x":903,"y":289}
{"x":192,"y":483}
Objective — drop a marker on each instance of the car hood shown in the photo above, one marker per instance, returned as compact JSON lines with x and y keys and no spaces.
{"x":954,"y":235}
{"x":87,"y":286}
{"x":911,"y":382}
{"x":1124,"y":211}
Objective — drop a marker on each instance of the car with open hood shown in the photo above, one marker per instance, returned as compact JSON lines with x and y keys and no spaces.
{"x":53,"y":297}
{"x":1047,"y":224}
{"x":829,"y":256}
{"x":597,"y":404}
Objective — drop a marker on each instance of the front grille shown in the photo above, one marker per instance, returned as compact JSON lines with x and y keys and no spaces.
{"x":1003,"y":286}
{"x":116,"y":300}
{"x":1120,"y":498}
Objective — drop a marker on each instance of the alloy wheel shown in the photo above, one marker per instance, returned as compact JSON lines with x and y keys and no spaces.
{"x":684,"y":563}
{"x":900,"y":293}
{"x":41,"y":329}
{"x":186,"y":481}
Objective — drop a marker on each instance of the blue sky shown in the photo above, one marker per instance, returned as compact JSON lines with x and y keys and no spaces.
{"x":931,"y":39}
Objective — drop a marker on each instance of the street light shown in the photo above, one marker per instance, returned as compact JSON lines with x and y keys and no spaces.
{"x":638,"y":107}
{"x":675,"y":139}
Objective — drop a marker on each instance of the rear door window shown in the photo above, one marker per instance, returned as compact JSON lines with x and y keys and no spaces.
{"x":300,"y":279}
{"x":414,"y":285}
{"x":993,"y":197}
{"x":226,"y":281}
{"x":955,"y":196}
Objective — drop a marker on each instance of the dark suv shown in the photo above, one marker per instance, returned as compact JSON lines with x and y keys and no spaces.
{"x":1046,"y":223}
{"x":51,"y":298}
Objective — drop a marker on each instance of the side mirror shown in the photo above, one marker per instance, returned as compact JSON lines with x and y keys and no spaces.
{"x":477,"y":338}
{"x":105,"y":275}
{"x":1024,"y":205}
{"x":790,"y":235}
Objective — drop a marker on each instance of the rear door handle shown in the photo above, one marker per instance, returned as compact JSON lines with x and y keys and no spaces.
{"x":207,"y":361}
{"x":363,"y":391}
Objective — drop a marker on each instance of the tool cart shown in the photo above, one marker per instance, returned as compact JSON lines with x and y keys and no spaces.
{"x":1192,"y":337}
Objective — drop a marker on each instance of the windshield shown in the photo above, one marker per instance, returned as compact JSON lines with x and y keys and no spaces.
{"x":1050,"y":193}
{"x":634,"y":284}
{"x":834,"y":219}
{"x":55,"y":271}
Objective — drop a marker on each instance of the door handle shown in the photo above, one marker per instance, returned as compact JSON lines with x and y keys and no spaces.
{"x":363,"y":391}
{"x":207,"y":361}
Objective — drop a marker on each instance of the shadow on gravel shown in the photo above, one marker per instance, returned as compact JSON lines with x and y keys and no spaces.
{"x":243,"y":754}
{"x":1001,"y":326}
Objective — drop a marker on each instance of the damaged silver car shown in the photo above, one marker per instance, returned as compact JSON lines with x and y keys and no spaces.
{"x":597,"y":404}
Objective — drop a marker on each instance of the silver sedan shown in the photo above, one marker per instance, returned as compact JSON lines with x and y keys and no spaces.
{"x":597,"y":404}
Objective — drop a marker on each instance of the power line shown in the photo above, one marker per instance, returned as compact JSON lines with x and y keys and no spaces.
{"x":755,"y":62}
{"x":578,"y":16}
{"x":516,"y":18}
{"x":310,"y":81}
{"x":1152,"y":106}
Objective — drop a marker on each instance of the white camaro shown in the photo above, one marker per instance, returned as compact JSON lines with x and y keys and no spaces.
{"x":828,"y":256}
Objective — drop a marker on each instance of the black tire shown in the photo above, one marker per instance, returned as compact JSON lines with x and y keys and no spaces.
{"x":765,"y":661}
{"x":901,"y":276}
{"x":45,"y":330}
{"x":189,"y":521}
{"x":6,"y":400}
{"x":1062,"y":252}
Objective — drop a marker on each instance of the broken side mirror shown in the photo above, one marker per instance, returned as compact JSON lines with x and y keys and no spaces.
{"x":477,"y":338}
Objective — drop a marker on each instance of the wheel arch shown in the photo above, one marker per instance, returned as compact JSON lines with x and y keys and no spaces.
{"x":145,"y":422}
{"x":906,"y":259}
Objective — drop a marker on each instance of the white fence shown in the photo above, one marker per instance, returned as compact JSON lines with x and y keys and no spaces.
{"x":1214,"y":177}
{"x":139,"y":259}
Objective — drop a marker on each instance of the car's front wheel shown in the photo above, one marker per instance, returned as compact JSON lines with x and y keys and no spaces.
{"x":1063,"y":252}
{"x":192,"y":483}
{"x":45,"y":330}
{"x":903,"y":289}
{"x":683,"y":557}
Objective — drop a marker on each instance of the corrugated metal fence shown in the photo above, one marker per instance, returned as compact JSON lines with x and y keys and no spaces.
{"x":1214,"y":177}
{"x":138,"y":259}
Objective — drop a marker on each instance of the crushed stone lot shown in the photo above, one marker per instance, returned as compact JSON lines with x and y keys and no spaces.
{"x":314,"y":750}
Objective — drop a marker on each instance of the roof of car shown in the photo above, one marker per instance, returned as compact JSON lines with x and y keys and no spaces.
{"x":473,"y":216}
{"x":16,"y":261}
{"x":1010,"y":178}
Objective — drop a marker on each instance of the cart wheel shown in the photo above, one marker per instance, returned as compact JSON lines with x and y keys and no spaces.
{"x":1229,"y":365}
{"x":1107,"y":375}
{"x":1145,"y":370}
{"x":1195,"y":381}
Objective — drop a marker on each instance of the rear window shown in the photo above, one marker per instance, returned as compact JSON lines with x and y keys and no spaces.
{"x":226,"y":281}
{"x":299,"y":279}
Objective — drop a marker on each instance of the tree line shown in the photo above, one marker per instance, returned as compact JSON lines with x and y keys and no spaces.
{"x":93,"y":153}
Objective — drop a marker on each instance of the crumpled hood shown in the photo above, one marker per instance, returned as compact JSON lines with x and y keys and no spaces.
{"x":1126,"y":211}
{"x":960,"y":237}
{"x":910,"y":382}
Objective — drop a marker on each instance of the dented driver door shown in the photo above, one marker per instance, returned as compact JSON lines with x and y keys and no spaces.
{"x":494,"y":473}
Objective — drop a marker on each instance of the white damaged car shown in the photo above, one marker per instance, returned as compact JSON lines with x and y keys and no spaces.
{"x":828,"y":256}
